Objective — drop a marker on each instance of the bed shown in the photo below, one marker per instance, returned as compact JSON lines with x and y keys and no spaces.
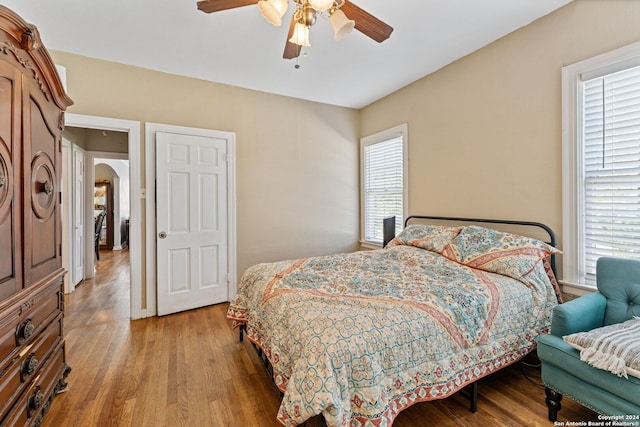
{"x":358,"y":337}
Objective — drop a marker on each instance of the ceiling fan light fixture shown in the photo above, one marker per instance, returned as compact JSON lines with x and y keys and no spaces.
{"x":321,"y":5}
{"x":300,"y":35}
{"x":341,"y":24}
{"x":273,"y":10}
{"x":307,"y":15}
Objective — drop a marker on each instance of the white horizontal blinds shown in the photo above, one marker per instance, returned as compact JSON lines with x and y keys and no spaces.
{"x":383,"y":180}
{"x":611,"y":168}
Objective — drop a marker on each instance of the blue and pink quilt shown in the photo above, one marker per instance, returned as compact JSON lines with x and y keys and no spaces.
{"x":359,"y":337}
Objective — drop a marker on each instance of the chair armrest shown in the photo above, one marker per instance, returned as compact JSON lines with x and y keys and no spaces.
{"x":579,"y":315}
{"x":549,"y":344}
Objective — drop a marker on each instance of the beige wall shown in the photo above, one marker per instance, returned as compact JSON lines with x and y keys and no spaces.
{"x":296,"y":161}
{"x":97,"y":140}
{"x":485,"y":132}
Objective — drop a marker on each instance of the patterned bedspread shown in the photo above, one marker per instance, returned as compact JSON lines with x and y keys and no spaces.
{"x":358,"y":337}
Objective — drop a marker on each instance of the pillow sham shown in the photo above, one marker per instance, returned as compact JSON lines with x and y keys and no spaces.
{"x":614,"y":348}
{"x":497,"y":252}
{"x":430,"y":237}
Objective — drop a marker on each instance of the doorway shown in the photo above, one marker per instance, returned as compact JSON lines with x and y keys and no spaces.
{"x":111,"y":196}
{"x":132,"y":131}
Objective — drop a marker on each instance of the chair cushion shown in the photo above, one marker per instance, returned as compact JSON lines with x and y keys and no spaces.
{"x":615,"y":348}
{"x":619,"y":281}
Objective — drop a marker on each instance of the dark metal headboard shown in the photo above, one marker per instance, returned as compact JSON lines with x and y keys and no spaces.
{"x":389,"y":230}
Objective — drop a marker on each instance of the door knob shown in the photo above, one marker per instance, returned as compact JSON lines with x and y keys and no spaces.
{"x":162,"y":234}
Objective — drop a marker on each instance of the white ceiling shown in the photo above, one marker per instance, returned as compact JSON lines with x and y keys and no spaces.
{"x":238,"y":47}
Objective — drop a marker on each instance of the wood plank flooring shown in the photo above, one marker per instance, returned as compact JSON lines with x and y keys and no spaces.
{"x":189,"y":369}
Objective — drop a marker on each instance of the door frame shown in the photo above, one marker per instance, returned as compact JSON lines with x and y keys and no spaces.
{"x":139,"y":307}
{"x":150,"y":166}
{"x":74,"y":205}
{"x":67,"y":216}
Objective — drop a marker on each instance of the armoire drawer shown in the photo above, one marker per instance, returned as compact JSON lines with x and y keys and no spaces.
{"x":24,"y":320}
{"x":20,"y":373}
{"x":35,"y":401}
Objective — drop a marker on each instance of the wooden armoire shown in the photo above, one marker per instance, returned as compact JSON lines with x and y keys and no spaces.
{"x":32,"y":103}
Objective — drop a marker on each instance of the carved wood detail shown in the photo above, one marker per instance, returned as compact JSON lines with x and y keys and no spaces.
{"x":7,"y":48}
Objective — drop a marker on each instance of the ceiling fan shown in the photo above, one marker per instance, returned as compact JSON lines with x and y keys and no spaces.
{"x":343,"y":15}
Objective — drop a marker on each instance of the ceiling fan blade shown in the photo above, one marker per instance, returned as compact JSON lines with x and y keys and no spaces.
{"x":209,"y":6}
{"x":366,"y":23}
{"x":291,"y":50}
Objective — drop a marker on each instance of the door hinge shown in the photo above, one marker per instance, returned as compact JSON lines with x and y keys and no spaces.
{"x":59,"y":249}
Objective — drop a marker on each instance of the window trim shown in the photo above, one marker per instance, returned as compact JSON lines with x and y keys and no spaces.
{"x":572,"y":153}
{"x":401,"y":130}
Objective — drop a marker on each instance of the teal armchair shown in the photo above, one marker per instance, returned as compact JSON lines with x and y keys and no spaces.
{"x":563,"y":373}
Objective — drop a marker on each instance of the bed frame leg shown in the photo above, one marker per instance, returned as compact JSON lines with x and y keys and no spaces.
{"x":471,"y":393}
{"x":241,"y":331}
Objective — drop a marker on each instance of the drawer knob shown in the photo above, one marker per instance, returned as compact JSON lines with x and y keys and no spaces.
{"x":25,"y":331}
{"x":47,"y":187}
{"x":35,"y":401}
{"x":29,"y":366}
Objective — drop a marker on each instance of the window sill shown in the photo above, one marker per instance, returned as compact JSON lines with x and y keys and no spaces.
{"x":577,"y":288}
{"x":370,"y":245}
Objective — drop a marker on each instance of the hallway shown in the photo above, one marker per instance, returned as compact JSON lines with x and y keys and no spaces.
{"x":103,"y":299}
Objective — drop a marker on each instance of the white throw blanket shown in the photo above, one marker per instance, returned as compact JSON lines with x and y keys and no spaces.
{"x":614,"y":348}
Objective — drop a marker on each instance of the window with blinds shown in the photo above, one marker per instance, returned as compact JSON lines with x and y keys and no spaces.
{"x":611,"y":165}
{"x":382,"y":184}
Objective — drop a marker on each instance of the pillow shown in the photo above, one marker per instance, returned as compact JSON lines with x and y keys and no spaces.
{"x":430,"y":237}
{"x":497,"y":252}
{"x":614,"y":348}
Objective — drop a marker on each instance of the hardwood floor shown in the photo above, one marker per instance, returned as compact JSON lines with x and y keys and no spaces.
{"x":189,"y":369}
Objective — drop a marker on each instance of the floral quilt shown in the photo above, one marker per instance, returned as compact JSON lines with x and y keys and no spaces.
{"x":359,"y":337}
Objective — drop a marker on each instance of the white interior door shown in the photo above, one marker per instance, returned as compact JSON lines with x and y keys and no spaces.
{"x":78,"y":215}
{"x":191,"y":206}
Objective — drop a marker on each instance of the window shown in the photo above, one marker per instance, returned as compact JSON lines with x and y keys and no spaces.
{"x":384,"y":182}
{"x":601,"y":163}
